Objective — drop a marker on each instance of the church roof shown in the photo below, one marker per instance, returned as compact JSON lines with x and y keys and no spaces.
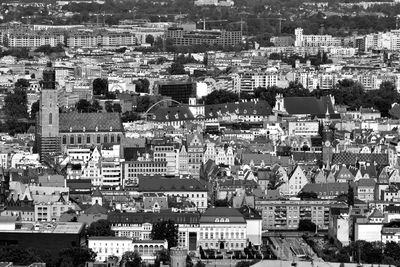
{"x":179,"y":113}
{"x":92,"y":122}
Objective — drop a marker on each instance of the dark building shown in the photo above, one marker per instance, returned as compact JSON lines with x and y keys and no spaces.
{"x":179,"y":91}
{"x":51,"y":237}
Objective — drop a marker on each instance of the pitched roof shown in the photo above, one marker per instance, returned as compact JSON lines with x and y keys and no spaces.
{"x":259,"y":108}
{"x":348,"y":158}
{"x":366,"y":182}
{"x":96,"y":209}
{"x":179,"y":113}
{"x":308,"y":105}
{"x":162,"y":184}
{"x":148,"y":217}
{"x":104,"y":122}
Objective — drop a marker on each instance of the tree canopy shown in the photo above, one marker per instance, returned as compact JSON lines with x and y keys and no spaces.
{"x":100,"y":228}
{"x":100,"y":86}
{"x":307,"y":225}
{"x":85,"y":106}
{"x":165,"y":230}
{"x":131,"y":259}
{"x":220,"y":97}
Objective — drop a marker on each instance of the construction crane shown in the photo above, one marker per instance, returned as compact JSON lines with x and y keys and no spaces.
{"x":208,"y":21}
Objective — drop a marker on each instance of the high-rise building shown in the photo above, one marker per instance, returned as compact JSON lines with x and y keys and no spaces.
{"x":48,"y":139}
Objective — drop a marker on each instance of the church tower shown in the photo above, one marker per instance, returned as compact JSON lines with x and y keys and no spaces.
{"x":48,"y":120}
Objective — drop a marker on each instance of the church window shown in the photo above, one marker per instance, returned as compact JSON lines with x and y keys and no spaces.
{"x":79,"y":139}
{"x":98,"y":139}
{"x":88,"y":139}
{"x":72,"y":140}
{"x":118,"y":138}
{"x":51,"y":118}
{"x":105,"y":139}
{"x":64,"y":139}
{"x":112,"y":138}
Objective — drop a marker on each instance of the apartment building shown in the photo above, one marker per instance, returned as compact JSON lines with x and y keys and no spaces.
{"x":200,"y":37}
{"x":286,"y":214}
{"x":28,"y":38}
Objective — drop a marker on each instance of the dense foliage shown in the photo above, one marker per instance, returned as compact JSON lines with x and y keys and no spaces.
{"x":165,"y":230}
{"x":100,"y":228}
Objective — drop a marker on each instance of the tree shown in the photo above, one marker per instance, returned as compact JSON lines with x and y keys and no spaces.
{"x":117,"y":107}
{"x":143,"y":104}
{"x":165,"y":230}
{"x":149,"y":39}
{"x":108,"y":106}
{"x":307,"y":225}
{"x":176,"y":69}
{"x":100,"y":86}
{"x":77,"y":256}
{"x":22,"y":83}
{"x":200,"y":264}
{"x":34,"y":109}
{"x":129,"y":116}
{"x":83,"y":106}
{"x":131,"y":259}
{"x":392,"y":249}
{"x":18,"y":255}
{"x":100,"y":228}
{"x":221,"y":97}
{"x":142,"y":86}
{"x":16,"y":111}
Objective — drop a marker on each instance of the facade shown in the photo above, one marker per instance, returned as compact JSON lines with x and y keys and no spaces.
{"x":179,"y":91}
{"x":223,"y":228}
{"x":106,"y":246}
{"x":137,"y":226}
{"x":286,"y":214}
{"x":199,"y":37}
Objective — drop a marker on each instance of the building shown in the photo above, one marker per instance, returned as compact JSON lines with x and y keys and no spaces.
{"x":48,"y":236}
{"x":47,"y":132}
{"x":189,"y":189}
{"x":286,"y":214}
{"x":106,"y":246}
{"x":223,"y":228}
{"x":302,"y":40}
{"x":137,"y":226}
{"x":82,"y":129}
{"x":179,"y":91}
{"x":181,"y":37}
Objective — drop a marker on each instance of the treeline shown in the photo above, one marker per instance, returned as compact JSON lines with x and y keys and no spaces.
{"x":346,"y":92}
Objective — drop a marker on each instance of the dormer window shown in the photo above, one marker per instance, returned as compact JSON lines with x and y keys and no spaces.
{"x":70,"y":129}
{"x":111,"y":128}
{"x":97,"y":129}
{"x":217,"y":220}
{"x":84,"y":129}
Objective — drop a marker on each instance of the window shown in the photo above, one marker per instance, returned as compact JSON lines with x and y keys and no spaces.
{"x":98,"y":139}
{"x":105,"y":139}
{"x":88,"y":139}
{"x":112,"y":139}
{"x":50,"y":118}
{"x":79,"y":139}
{"x":64,"y":139}
{"x":72,"y":140}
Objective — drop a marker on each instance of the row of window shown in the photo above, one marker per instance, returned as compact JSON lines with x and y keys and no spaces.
{"x":89,"y":139}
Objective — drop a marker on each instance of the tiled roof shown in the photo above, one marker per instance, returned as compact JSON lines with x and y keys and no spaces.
{"x":306,"y":156}
{"x":327,"y":189}
{"x":180,"y":113}
{"x":103,"y":122}
{"x":148,"y":217}
{"x":260,"y":108}
{"x":161,"y":184}
{"x":308,"y":105}
{"x":267,"y":158}
{"x":351,"y":158}
{"x":96,"y":209}
{"x":366,"y":182}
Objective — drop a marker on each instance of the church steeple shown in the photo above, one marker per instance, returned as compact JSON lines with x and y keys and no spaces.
{"x":48,"y":119}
